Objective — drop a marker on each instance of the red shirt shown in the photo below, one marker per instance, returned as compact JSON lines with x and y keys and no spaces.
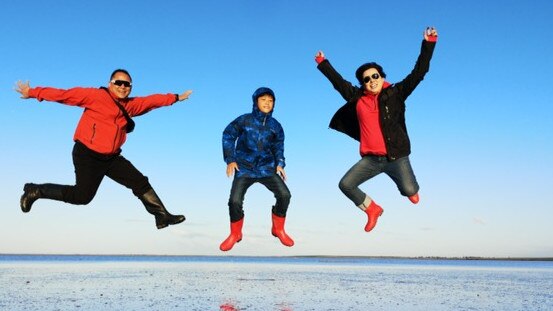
{"x":372,"y":140}
{"x":102,"y":124}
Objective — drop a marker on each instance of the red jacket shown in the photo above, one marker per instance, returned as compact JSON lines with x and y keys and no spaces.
{"x":371,"y":137}
{"x":102,"y":124}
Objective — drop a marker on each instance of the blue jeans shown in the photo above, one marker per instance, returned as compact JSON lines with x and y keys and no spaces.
{"x":241,"y":184}
{"x":400,"y":172}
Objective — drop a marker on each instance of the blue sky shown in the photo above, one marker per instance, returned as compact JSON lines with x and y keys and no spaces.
{"x":481,"y":124}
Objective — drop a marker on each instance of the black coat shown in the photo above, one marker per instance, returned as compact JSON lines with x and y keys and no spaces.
{"x":391,"y":104}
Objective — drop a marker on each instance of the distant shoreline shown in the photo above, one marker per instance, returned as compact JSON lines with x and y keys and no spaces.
{"x":440,"y":258}
{"x":287,"y":257}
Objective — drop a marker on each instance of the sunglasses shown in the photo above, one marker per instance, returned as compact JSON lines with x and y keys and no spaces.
{"x":122,"y":83}
{"x":374,"y":76}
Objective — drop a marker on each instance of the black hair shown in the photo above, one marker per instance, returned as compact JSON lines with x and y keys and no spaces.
{"x":120,"y":70}
{"x":364,"y":67}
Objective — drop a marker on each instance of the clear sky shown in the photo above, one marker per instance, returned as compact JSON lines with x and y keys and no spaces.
{"x":480,"y":123}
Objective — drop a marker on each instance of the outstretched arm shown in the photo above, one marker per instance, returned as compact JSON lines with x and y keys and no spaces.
{"x":23,"y":89}
{"x":140,"y":105}
{"x":76,"y":96}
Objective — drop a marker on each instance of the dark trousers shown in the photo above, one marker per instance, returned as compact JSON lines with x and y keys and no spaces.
{"x":241,"y":184}
{"x":90,"y":169}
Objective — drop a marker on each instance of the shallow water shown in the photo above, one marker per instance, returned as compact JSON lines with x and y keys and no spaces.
{"x":250,"y":283}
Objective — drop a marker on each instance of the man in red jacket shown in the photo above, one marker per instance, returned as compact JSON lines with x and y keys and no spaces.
{"x":101,"y":132}
{"x":374,"y":114}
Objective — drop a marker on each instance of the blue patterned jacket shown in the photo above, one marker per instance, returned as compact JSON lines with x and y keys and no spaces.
{"x":255,"y":141}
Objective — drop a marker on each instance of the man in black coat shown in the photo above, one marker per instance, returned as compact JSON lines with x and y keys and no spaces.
{"x":374,"y":114}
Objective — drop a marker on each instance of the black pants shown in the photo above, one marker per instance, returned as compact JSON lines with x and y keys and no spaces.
{"x":241,"y":184}
{"x":90,"y":169}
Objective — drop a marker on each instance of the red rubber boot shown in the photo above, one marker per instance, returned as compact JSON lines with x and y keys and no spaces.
{"x":234,"y":237}
{"x":278,"y":231}
{"x":414,"y":198}
{"x":373,"y":212}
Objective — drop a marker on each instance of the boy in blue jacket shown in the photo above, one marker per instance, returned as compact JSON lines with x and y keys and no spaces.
{"x":253,"y":148}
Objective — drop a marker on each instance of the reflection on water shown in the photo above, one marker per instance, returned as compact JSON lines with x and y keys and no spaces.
{"x":230,"y":306}
{"x":229,"y":284}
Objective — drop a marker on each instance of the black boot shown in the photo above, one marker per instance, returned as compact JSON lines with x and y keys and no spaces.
{"x":155,"y":207}
{"x":33,"y":192}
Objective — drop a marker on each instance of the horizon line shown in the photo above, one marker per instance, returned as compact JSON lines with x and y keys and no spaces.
{"x":518,"y":258}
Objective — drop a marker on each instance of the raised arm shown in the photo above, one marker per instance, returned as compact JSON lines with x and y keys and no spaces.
{"x":422,"y":66}
{"x":344,"y":87}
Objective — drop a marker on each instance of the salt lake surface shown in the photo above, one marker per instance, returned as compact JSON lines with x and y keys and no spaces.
{"x":30,"y":282}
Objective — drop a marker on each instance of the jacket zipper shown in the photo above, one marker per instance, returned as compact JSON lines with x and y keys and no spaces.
{"x":259,"y":143}
{"x":386,"y":135}
{"x":93,"y":132}
{"x":117,"y":131}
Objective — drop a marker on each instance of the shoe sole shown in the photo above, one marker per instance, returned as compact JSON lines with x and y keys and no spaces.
{"x":161,"y":226}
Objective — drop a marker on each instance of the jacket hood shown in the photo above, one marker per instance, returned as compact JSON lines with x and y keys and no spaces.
{"x":259,"y":92}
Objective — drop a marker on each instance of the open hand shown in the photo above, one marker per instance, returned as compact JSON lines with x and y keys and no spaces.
{"x":280,"y":171}
{"x":231,"y":167}
{"x":23,"y":89}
